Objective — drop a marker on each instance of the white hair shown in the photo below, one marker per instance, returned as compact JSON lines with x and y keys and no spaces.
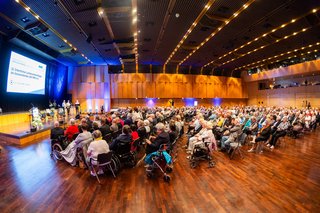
{"x":160,"y":126}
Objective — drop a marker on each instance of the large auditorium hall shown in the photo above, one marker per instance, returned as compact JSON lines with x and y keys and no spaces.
{"x":159,"y":106}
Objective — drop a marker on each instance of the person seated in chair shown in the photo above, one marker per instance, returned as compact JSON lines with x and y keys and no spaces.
{"x":81,"y":141}
{"x":98,"y":146}
{"x":124,"y":137}
{"x":230,"y":135}
{"x":71,"y":130}
{"x":205,"y":136}
{"x":280,"y":132}
{"x":142,"y":132}
{"x":263,"y":135}
{"x":104,"y":128}
{"x":155,"y":142}
{"x":56,"y":131}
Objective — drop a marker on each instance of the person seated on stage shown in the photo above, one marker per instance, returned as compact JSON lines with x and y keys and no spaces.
{"x":124,"y":137}
{"x":104,"y":128}
{"x":96,"y":147}
{"x":280,"y":132}
{"x":56,"y":131}
{"x":263,"y":135}
{"x":155,"y":142}
{"x":71,"y":130}
{"x":82,"y":141}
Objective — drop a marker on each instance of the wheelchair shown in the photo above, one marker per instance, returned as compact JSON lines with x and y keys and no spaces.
{"x":57,"y":145}
{"x":201,"y":152}
{"x":159,"y":162}
{"x":123,"y":154}
{"x":60,"y":144}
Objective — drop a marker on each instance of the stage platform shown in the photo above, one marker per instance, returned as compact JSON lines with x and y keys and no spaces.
{"x":19,"y":133}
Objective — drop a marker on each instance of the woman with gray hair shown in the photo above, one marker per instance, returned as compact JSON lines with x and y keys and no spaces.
{"x":98,"y":146}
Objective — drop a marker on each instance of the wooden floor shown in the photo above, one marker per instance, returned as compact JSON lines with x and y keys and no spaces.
{"x":285,"y":180}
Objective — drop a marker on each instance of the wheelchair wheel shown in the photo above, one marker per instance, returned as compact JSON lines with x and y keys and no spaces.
{"x":131,"y":161}
{"x":193,"y":164}
{"x":211,"y":164}
{"x":116,"y":159}
{"x":56,"y":149}
{"x":114,"y":167}
{"x":166,"y":178}
{"x":169,"y":169}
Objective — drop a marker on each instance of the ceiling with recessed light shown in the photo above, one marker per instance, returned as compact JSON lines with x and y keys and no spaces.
{"x":212,"y":37}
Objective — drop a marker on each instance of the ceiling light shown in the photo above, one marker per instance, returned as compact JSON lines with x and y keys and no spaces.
{"x":314,"y":10}
{"x":293,"y":20}
{"x":36,"y":16}
{"x":177,"y":15}
{"x":134,"y":20}
{"x":27,"y":8}
{"x":273,"y":30}
{"x":283,"y":25}
{"x":304,"y":29}
{"x":245,"y":6}
{"x":17,"y":1}
{"x":134,"y":11}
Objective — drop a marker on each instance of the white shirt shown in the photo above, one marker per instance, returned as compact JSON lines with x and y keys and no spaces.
{"x":98,"y":147}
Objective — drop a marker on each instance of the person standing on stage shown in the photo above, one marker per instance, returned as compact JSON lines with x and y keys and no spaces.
{"x":77,"y":105}
{"x":68,"y":106}
{"x":64,"y":106}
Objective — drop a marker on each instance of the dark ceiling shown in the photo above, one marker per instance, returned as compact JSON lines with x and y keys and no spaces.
{"x":216,"y":37}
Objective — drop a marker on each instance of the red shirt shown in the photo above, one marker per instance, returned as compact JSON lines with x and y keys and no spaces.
{"x":70,"y":131}
{"x":134,"y":135}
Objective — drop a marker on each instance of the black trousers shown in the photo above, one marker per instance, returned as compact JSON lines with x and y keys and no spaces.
{"x":276,"y":136}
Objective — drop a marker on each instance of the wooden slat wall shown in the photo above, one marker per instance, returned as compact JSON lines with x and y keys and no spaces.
{"x":292,"y":96}
{"x":91,"y":86}
{"x":141,"y":85}
{"x":179,"y":102}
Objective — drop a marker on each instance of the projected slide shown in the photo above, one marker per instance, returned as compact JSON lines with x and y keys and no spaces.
{"x":26,"y":75}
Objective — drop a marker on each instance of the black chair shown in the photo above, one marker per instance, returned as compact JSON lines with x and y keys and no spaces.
{"x":102,"y":160}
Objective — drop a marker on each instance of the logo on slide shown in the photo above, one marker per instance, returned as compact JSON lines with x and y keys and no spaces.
{"x":11,"y":82}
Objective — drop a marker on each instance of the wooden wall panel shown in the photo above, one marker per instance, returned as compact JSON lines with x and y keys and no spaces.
{"x":179,"y":102}
{"x":287,"y":97}
{"x":174,"y":86}
{"x":90,"y":85}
